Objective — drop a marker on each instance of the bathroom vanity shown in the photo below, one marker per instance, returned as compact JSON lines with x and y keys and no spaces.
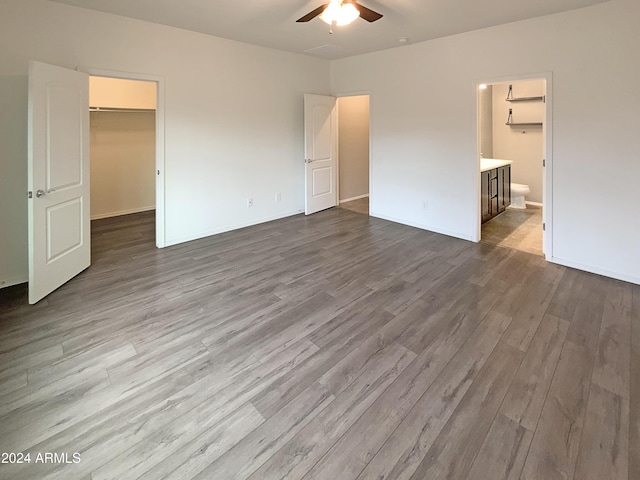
{"x":495,"y":190}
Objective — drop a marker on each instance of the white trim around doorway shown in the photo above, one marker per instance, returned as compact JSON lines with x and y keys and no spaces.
{"x":547,"y":129}
{"x":160,"y":125}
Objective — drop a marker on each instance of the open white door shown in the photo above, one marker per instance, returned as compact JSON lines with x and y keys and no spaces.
{"x":320,"y":130}
{"x":59,"y":225}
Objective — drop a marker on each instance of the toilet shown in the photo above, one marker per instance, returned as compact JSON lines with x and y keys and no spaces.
{"x":518,"y":192}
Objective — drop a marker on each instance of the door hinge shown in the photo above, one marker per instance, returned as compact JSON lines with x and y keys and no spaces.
{"x":544,"y":227}
{"x":30,"y":195}
{"x":544,"y":162}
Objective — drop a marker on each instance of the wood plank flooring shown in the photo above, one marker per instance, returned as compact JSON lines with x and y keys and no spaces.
{"x":335,"y":346}
{"x":361,"y":205}
{"x":518,"y":229}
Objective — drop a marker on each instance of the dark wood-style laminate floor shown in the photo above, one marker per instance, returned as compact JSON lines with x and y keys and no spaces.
{"x":335,"y":346}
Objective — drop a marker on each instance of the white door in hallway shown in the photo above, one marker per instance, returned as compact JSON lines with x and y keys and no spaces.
{"x":320,"y":134}
{"x":59,"y":225}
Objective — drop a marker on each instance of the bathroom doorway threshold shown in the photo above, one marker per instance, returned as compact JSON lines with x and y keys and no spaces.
{"x":517,"y":229}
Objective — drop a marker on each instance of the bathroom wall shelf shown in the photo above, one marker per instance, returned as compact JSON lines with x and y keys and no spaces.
{"x":526,"y":99}
{"x":519,"y":124}
{"x":510,"y":97}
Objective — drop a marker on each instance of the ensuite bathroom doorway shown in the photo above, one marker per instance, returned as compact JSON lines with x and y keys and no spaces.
{"x":513,"y":163}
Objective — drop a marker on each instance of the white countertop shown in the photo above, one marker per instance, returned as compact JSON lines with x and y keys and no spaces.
{"x":491,"y":163}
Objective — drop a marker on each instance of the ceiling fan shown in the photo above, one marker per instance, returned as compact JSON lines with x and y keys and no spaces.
{"x":341,"y":12}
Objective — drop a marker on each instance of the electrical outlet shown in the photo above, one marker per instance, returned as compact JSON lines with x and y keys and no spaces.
{"x":278,"y":197}
{"x":250,"y":202}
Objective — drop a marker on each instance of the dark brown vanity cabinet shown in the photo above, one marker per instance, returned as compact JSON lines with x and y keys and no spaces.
{"x":495,"y":191}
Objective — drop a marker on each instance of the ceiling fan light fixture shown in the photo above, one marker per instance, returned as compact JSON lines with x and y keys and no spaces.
{"x":339,"y":13}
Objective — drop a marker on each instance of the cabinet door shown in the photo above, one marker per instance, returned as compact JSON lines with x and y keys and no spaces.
{"x":504,"y":188}
{"x":507,"y":186}
{"x":485,"y":196}
{"x":501,"y":190}
{"x":493,"y":204}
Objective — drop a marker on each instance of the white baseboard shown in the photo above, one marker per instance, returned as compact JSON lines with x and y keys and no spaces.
{"x":353,"y":198}
{"x":597,"y":270}
{"x":122,"y":212}
{"x":423,"y":226}
{"x":10,"y":282}
{"x":533,"y":204}
{"x":175,"y":241}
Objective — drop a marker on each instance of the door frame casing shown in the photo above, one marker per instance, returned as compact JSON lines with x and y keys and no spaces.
{"x":160,"y":141}
{"x":547,"y":149}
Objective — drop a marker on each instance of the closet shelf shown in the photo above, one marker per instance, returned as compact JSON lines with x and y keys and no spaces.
{"x":121,"y":110}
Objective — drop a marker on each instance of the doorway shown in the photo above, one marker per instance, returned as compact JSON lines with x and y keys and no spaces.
{"x":514,"y":163}
{"x":127,"y":112}
{"x":353,"y":152}
{"x":122,"y":146}
{"x":59,"y":174}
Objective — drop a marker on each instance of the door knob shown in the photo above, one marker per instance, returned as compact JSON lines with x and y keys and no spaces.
{"x":40,"y":193}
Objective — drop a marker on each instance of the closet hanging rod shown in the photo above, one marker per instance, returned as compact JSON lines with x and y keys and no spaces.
{"x":122,"y":110}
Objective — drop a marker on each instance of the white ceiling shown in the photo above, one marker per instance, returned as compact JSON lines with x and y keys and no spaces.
{"x":272,"y":23}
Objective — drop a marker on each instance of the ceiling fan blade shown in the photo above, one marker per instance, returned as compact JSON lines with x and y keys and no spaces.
{"x":313,"y":14}
{"x":366,"y":13}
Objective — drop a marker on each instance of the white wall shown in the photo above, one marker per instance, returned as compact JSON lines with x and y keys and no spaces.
{"x":123,"y":163}
{"x":353,"y":146}
{"x":233,"y":125}
{"x":424,"y":132}
{"x":524,"y":145}
{"x":486,"y":121}
{"x":122,"y":93}
{"x":13,"y":180}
